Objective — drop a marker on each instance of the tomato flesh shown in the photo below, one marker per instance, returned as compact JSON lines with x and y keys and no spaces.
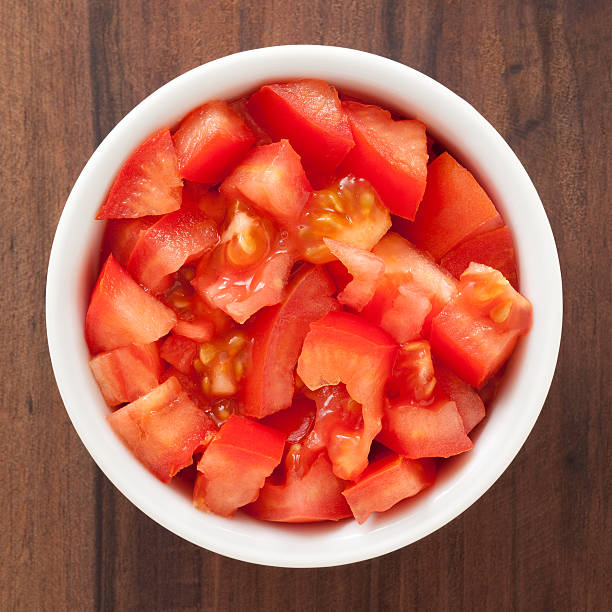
{"x":391,"y":154}
{"x":121,"y":312}
{"x":235,"y":465}
{"x":210,"y":141}
{"x":121,"y":235}
{"x":296,"y":421}
{"x":179,"y":352}
{"x":126,"y":373}
{"x":387,"y":481}
{"x":148,"y":183}
{"x":278,"y":333}
{"x":413,"y":374}
{"x":163,"y":429}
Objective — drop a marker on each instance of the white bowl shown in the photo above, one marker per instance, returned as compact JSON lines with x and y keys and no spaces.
{"x":73,"y":266}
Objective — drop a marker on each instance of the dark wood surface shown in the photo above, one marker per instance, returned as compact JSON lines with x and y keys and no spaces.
{"x":540,"y":71}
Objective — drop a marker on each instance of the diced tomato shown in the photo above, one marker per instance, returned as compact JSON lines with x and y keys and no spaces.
{"x":209,"y":201}
{"x":392,"y":155}
{"x":494,"y":249}
{"x":272,"y":179}
{"x":314,"y":496}
{"x":478,"y":329}
{"x":296,"y":421}
{"x":148,"y":183}
{"x":454,"y":208}
{"x":249,"y":268}
{"x":415,"y":430}
{"x":126,"y":373}
{"x":121,"y":235}
{"x":179,"y":352}
{"x":121,"y":312}
{"x":366,"y":269}
{"x":309,"y":114}
{"x":190,"y":386}
{"x":278,"y":333}
{"x":386,"y":482}
{"x":343,"y":347}
{"x":349,"y":211}
{"x":210,"y":141}
{"x":469,"y":404}
{"x":163,"y":429}
{"x":240,"y":106}
{"x":413,"y":372}
{"x":236,"y":464}
{"x":339,"y":274}
{"x":177,"y":238}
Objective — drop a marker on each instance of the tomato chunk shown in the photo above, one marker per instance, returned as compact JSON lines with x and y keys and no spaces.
{"x":179,"y":352}
{"x":163,"y":429}
{"x":366,"y":269}
{"x":387,"y":481}
{"x":208,"y":200}
{"x":477,"y":330}
{"x":126,"y":373}
{"x":121,"y":312}
{"x":210,"y":141}
{"x":177,"y":238}
{"x":494,"y":249}
{"x":314,"y":496}
{"x":296,"y":421}
{"x":415,"y":430}
{"x":309,"y":114}
{"x":392,"y":155}
{"x":278,"y":333}
{"x":454,"y":208}
{"x":235,"y":465}
{"x":343,"y":347}
{"x":148,"y":183}
{"x":272,"y":179}
{"x":121,"y":235}
{"x":413,"y":372}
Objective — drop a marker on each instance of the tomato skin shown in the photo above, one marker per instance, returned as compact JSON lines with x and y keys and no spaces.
{"x":454,"y":208}
{"x":121,"y":235}
{"x":163,"y":429}
{"x":312,"y":497}
{"x":417,"y":431}
{"x":387,"y":481}
{"x":235,"y":465}
{"x":121,"y":312}
{"x":210,"y":141}
{"x":126,"y":373}
{"x":309,"y":114}
{"x":148,"y":183}
{"x":494,"y":249}
{"x":177,"y":238}
{"x":392,"y":155}
{"x":179,"y":352}
{"x":279,"y":332}
{"x":272,"y":179}
{"x":477,"y":330}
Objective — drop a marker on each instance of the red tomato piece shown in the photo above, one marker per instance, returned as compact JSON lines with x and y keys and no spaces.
{"x":339,"y":274}
{"x":312,"y":497}
{"x":416,"y":431}
{"x":278,"y":334}
{"x":121,"y":235}
{"x":309,"y":114}
{"x":148,"y":183}
{"x":413,"y":372}
{"x":469,"y":404}
{"x":209,"y":201}
{"x":366,"y":269}
{"x":163,"y":429}
{"x":241,"y":107}
{"x":392,"y":155}
{"x":296,"y":421}
{"x":210,"y":141}
{"x":454,"y":208}
{"x":179,"y":352}
{"x":177,"y":238}
{"x":343,"y":347}
{"x":494,"y":249}
{"x":126,"y":373}
{"x":477,"y":330}
{"x":121,"y":312}
{"x":387,"y":481}
{"x":190,"y":386}
{"x":272,"y":179}
{"x":236,"y":464}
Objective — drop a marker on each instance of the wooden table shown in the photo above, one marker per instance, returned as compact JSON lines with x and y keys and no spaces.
{"x":540,"y":71}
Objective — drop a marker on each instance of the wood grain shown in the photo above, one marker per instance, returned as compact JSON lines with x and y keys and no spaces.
{"x":540,"y":71}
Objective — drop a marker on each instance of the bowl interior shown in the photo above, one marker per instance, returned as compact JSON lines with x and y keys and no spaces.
{"x":73,"y":266}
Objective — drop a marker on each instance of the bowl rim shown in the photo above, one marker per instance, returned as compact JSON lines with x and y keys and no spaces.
{"x":380,"y":76}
